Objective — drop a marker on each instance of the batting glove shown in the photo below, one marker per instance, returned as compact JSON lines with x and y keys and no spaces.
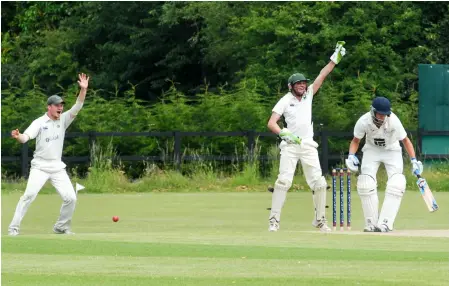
{"x":339,"y":53}
{"x":352,"y":163}
{"x":417,"y":167}
{"x":289,"y":137}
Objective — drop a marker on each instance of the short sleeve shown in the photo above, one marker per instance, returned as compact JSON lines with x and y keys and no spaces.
{"x":33,"y":130}
{"x":310,"y":91}
{"x":359,"y":129}
{"x":400,"y":131}
{"x":279,"y":108}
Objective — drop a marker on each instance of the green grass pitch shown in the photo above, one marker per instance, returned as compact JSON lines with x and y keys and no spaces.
{"x":219,"y":239}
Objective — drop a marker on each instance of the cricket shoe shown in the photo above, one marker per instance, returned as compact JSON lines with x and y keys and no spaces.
{"x":371,"y":228}
{"x":322,"y":225}
{"x":60,"y":231}
{"x":13,"y":232}
{"x":273,"y":225}
{"x":382,"y":228}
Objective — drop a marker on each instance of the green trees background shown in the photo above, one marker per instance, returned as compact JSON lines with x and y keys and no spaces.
{"x":207,"y":66}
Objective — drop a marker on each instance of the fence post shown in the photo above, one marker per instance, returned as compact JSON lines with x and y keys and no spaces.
{"x":177,"y":151}
{"x":251,"y":135}
{"x":324,"y":152}
{"x":92,"y":137}
{"x":24,"y":159}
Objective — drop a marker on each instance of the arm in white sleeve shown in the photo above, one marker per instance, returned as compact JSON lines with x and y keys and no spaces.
{"x":23,"y":138}
{"x":76,"y":108}
{"x":69,"y":116}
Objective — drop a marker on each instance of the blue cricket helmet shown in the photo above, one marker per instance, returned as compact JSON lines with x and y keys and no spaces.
{"x":381,"y":105}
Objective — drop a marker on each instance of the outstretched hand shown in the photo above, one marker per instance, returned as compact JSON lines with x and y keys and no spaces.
{"x":15,"y":134}
{"x":83,"y":81}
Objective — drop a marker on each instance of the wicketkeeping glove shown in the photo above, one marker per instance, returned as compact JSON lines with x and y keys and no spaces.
{"x":289,"y":137}
{"x":417,"y":167}
{"x":339,"y":53}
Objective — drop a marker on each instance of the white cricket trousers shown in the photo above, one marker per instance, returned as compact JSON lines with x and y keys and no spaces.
{"x":372,"y":158}
{"x":60,"y":180}
{"x":307,"y":154}
{"x":393,"y":162}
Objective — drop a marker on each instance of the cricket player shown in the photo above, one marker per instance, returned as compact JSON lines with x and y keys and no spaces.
{"x":383,"y":131}
{"x":49,"y":131}
{"x":298,"y":144}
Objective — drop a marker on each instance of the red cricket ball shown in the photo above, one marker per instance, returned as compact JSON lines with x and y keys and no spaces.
{"x":115,"y":218}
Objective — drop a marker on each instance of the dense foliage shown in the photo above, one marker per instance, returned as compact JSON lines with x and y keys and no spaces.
{"x":211,"y":65}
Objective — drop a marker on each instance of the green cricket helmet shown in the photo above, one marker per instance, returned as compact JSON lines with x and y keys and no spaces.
{"x":296,"y":77}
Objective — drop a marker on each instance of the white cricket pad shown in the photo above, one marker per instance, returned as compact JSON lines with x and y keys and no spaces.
{"x":367,"y":190}
{"x":393,"y":197}
{"x":319,"y":198}
{"x":278,"y":198}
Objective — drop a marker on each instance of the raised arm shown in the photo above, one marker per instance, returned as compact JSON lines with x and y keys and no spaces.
{"x":322,"y":76}
{"x":336,"y":57}
{"x":83,"y":83}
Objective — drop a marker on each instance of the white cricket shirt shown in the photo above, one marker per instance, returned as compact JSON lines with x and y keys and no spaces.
{"x":384,"y":138}
{"x":49,"y":135}
{"x":297,"y":113}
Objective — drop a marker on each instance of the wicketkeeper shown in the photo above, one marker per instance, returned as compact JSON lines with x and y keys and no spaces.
{"x":383,"y":131}
{"x":298,"y":144}
{"x":49,"y":131}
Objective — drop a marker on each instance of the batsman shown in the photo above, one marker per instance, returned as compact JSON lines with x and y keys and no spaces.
{"x":49,"y":132}
{"x":298,"y":144}
{"x":383,"y":131}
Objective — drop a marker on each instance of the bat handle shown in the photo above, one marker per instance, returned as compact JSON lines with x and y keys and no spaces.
{"x":417,"y":175}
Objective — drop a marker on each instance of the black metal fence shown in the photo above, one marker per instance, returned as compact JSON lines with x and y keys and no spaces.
{"x":325,"y":156}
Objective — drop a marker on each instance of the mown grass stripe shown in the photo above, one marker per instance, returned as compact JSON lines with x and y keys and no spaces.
{"x":100,"y":280}
{"x":135,"y":249}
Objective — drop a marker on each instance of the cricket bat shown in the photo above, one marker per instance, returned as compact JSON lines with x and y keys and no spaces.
{"x":426,"y":193}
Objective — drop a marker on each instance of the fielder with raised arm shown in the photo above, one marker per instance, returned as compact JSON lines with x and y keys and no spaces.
{"x":49,"y":131}
{"x":383,"y":131}
{"x":298,"y":144}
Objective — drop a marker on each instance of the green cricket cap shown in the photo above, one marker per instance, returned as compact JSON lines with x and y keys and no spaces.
{"x":55,"y":99}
